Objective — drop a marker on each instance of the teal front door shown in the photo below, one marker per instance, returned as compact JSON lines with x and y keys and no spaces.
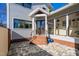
{"x":40,"y":27}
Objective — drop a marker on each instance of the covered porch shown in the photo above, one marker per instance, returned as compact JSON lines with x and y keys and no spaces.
{"x":64,"y":25}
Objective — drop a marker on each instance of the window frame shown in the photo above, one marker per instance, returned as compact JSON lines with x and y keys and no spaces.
{"x":21,"y":21}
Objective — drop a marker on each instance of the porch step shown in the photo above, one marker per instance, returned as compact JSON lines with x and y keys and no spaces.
{"x":39,"y":40}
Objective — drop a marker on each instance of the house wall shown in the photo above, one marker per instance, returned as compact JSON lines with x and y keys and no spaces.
{"x":3,"y":41}
{"x":19,"y":12}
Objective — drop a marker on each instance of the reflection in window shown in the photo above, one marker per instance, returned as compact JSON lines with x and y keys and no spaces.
{"x":3,"y":14}
{"x":18,"y":23}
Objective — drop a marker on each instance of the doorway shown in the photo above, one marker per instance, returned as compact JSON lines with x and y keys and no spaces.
{"x":40,"y":27}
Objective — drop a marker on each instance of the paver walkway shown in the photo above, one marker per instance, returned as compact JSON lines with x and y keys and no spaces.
{"x":52,"y":49}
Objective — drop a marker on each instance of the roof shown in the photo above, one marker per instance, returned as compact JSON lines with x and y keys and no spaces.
{"x":38,"y":9}
{"x":60,"y":9}
{"x":53,"y":12}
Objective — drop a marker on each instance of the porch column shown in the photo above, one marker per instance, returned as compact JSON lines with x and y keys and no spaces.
{"x":54,"y":25}
{"x":46,"y":26}
{"x":33,"y":26}
{"x":67,"y":25}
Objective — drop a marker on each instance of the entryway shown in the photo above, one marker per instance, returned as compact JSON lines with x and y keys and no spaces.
{"x":40,"y":27}
{"x":40,"y":30}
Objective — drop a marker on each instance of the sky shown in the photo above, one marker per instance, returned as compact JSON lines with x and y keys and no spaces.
{"x":3,"y":10}
{"x":58,"y":5}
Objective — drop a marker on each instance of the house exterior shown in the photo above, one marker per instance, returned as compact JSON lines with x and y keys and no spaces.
{"x":25,"y":20}
{"x":37,"y":21}
{"x":19,"y":21}
{"x":62,"y":23}
{"x":66,"y":24}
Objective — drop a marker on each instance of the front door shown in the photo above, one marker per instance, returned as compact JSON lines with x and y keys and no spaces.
{"x":40,"y":27}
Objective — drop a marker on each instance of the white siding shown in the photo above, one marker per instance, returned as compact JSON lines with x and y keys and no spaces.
{"x":17,"y":11}
{"x":41,"y":5}
{"x":21,"y":33}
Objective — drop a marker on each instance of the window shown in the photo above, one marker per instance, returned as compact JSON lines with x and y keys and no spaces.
{"x":22,"y":4}
{"x":64,"y":23}
{"x":57,"y":21}
{"x":61,"y":22}
{"x":27,"y":5}
{"x":44,"y":8}
{"x":18,"y":23}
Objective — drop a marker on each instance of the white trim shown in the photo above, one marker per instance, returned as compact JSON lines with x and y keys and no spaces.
{"x":12,"y":24}
{"x":8,"y":23}
{"x":46,"y":26}
{"x":67,"y":24}
{"x":33,"y":24}
{"x":60,"y":9}
{"x":67,"y":21}
{"x":40,"y":15}
{"x":33,"y":27}
{"x":38,"y":9}
{"x":54,"y":25}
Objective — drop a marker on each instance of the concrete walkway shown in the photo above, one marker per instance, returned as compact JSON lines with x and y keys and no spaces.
{"x":52,"y":49}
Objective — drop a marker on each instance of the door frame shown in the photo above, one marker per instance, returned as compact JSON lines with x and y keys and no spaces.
{"x":34,"y":24}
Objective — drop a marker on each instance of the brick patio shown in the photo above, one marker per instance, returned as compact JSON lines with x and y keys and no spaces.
{"x":52,"y":49}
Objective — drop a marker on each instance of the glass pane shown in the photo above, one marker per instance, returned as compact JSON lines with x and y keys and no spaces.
{"x":61,"y":25}
{"x":43,"y":24}
{"x":74,"y":26}
{"x":18,"y":23}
